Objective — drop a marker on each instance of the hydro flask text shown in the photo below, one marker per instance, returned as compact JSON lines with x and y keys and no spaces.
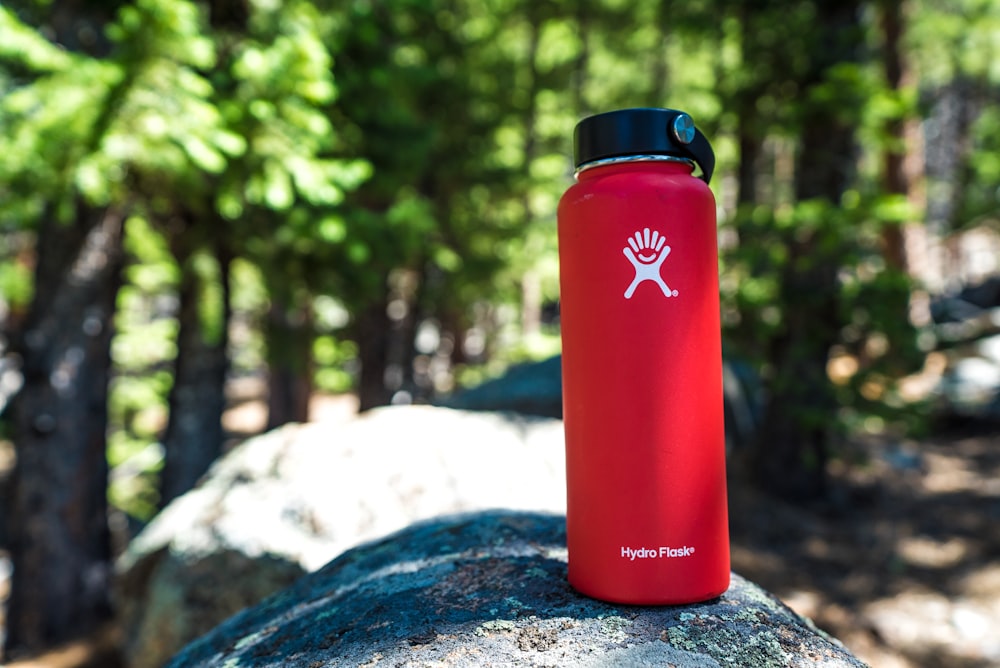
{"x":656,"y":553}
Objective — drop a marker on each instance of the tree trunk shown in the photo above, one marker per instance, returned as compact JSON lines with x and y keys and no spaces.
{"x":750,"y":146}
{"x":748,"y":123}
{"x":60,"y":544}
{"x":194,"y":434}
{"x":894,"y":177}
{"x":373,"y":326}
{"x":289,"y":363}
{"x":793,"y":445}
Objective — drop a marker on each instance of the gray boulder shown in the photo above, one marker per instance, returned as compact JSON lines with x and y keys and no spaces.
{"x":530,"y":388}
{"x":490,"y":589}
{"x":535,"y":388}
{"x":287,"y":502}
{"x":970,"y":385}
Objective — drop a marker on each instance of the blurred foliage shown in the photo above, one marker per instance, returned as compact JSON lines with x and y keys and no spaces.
{"x":395,"y":166}
{"x":763,"y":285}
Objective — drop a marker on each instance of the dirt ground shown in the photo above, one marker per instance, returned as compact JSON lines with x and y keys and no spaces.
{"x":902,"y":564}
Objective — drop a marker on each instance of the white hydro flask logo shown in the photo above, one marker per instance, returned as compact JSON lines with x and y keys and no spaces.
{"x":646,"y":251}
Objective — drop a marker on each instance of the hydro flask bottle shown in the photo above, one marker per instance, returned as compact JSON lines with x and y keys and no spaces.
{"x":646,"y":515}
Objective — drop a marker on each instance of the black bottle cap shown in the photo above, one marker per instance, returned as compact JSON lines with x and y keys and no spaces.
{"x":645,"y":131}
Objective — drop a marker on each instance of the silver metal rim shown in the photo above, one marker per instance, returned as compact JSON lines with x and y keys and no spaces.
{"x":631,"y":158}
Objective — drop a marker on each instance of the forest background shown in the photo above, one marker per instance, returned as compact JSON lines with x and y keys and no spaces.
{"x":360,"y":197}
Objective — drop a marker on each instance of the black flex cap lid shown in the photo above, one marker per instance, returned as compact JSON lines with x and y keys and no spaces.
{"x":647,"y":131}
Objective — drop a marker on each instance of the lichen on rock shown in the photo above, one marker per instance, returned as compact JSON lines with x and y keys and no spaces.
{"x":490,"y":588}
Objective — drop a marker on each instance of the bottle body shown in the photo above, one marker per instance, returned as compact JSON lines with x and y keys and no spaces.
{"x":642,"y":385}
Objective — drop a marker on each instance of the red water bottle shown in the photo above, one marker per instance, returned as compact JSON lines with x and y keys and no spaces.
{"x":646,"y":511}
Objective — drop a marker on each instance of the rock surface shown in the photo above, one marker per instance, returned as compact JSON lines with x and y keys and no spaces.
{"x":287,"y":502}
{"x":490,"y":589}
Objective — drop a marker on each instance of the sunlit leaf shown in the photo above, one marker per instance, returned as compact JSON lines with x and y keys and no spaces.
{"x":278,"y":193}
{"x":25,"y":46}
{"x":203,"y":155}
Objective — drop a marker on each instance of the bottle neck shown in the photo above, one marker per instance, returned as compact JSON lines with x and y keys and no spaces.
{"x":670,"y":162}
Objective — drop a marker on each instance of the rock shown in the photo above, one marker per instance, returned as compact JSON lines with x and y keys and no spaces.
{"x":287,"y":502}
{"x":535,"y":388}
{"x":490,"y":589}
{"x":531,"y":388}
{"x":967,"y":329}
{"x":970,"y":384}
